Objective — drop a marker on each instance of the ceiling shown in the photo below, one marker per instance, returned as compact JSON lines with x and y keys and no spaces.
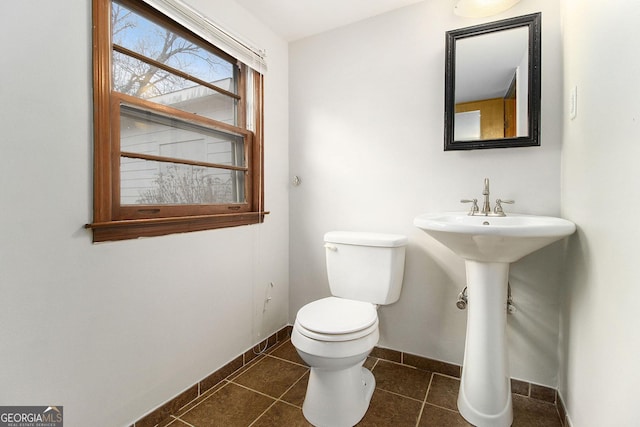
{"x":490,"y":59}
{"x":296,"y":19}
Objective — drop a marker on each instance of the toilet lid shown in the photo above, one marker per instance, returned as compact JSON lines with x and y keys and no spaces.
{"x":337,"y":316}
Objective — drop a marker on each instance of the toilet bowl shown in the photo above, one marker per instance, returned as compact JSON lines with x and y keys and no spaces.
{"x":340,"y":388}
{"x":334,"y":335}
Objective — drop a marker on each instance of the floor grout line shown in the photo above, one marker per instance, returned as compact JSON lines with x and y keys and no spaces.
{"x":375,"y":363}
{"x":424,"y":401}
{"x":290,"y":404}
{"x":293,"y":385}
{"x":404,"y":365}
{"x":287,"y":360}
{"x":263,"y":412}
{"x":276,"y":400}
{"x":200,"y":400}
{"x":181,"y":420}
{"x":399,"y":394}
{"x":253,"y":390}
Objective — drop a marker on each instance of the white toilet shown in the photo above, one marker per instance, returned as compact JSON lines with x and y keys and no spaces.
{"x":335,"y":335}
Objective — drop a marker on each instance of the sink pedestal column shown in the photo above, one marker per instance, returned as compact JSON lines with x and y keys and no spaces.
{"x":485,"y":389}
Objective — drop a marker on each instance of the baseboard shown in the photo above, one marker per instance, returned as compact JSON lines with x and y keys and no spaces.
{"x":523,"y":388}
{"x":161,"y":415}
{"x":562,"y":412}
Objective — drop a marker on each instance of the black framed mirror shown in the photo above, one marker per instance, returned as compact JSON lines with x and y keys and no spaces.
{"x":492,"y":85}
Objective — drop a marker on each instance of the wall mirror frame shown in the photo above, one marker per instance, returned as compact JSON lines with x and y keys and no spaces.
{"x":531,"y":125}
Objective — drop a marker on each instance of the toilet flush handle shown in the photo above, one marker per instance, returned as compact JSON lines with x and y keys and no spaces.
{"x":330,"y":247}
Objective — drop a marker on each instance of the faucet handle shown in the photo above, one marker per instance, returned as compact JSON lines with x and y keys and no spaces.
{"x":474,"y":205}
{"x":498,"y":208}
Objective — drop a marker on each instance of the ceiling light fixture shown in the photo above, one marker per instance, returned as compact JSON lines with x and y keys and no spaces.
{"x":481,"y":8}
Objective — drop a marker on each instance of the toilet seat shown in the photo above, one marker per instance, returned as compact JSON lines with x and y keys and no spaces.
{"x":337,"y":319}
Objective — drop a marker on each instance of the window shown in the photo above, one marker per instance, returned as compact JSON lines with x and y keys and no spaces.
{"x":177,"y":128}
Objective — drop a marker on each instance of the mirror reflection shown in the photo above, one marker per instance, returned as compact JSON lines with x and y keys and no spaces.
{"x":491,"y":92}
{"x":493,"y":85}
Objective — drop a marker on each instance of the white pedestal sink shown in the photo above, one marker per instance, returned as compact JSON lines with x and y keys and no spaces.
{"x":488,"y":245}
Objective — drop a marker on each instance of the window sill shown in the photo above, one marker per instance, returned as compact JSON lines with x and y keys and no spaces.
{"x":133,"y":229}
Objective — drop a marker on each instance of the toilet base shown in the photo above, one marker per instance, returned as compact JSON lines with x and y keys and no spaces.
{"x":338,"y":398}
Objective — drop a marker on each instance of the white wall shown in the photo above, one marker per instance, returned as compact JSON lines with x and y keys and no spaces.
{"x":600,"y":338}
{"x":366,"y":132}
{"x":112,"y":330}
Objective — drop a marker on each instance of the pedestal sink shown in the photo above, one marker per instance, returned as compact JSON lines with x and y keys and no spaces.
{"x":488,"y":245}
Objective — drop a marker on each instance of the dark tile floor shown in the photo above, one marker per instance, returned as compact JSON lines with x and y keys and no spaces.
{"x":270,"y":392}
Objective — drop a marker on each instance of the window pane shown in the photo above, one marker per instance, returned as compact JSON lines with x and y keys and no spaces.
{"x":168,"y":89}
{"x":145,"y":182}
{"x":139,"y":34}
{"x":143,"y":132}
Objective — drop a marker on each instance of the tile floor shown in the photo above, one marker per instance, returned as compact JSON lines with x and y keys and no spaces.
{"x":270,"y":392}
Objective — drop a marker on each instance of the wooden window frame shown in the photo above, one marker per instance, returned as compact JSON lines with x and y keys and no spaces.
{"x":111,"y":221}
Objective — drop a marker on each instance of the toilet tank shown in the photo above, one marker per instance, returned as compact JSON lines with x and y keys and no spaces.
{"x":365,"y":266}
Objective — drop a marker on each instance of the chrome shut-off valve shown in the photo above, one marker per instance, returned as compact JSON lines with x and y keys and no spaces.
{"x":463,"y":300}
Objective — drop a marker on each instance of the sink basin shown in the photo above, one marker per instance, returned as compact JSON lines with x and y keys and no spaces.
{"x":493,"y":239}
{"x":488,"y":245}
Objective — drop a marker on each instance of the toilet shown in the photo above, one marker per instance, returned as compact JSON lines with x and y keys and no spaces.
{"x":334,"y":335}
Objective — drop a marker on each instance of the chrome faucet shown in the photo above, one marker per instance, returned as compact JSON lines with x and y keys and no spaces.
{"x":486,"y":205}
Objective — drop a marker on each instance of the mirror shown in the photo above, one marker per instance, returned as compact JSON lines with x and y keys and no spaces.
{"x":492,"y":85}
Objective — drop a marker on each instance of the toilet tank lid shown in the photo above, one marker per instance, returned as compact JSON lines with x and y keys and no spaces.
{"x":361,"y":238}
